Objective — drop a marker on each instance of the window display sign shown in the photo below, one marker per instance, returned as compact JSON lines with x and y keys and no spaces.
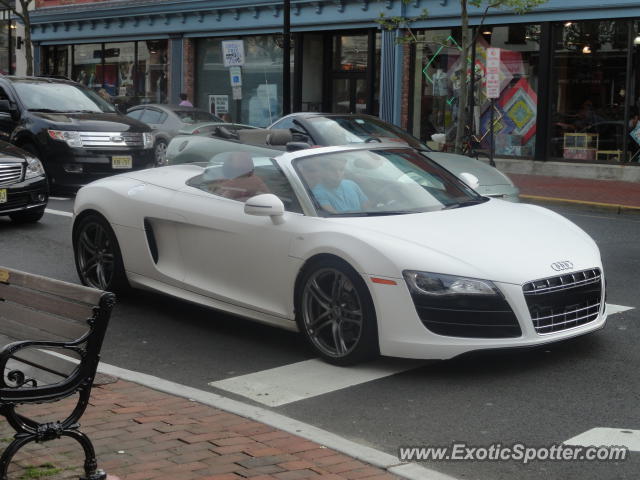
{"x":233,"y":53}
{"x":493,"y":73}
{"x":219,"y":104}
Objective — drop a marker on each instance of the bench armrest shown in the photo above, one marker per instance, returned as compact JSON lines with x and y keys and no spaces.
{"x":9,"y":351}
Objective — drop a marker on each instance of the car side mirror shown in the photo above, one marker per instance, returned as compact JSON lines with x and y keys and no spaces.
{"x":265,"y":205}
{"x":295,"y":146}
{"x":470,"y":179}
{"x":5,"y":107}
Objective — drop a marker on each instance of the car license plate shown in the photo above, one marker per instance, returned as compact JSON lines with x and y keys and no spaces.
{"x":120,"y":162}
{"x":3,"y":195}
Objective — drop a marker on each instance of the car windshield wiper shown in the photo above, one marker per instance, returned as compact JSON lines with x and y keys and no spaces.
{"x":389,"y":212}
{"x":466,"y":203}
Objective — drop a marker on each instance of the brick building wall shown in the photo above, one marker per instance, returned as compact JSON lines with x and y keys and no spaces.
{"x":55,"y":3}
{"x":406,"y":84}
{"x":188,"y":68}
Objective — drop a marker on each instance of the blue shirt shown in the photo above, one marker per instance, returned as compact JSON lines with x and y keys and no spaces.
{"x":347,"y":197}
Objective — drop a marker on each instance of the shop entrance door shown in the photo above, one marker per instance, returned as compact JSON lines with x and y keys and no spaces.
{"x":350,"y":94}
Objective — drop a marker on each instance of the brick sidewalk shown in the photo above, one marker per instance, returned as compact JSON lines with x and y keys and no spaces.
{"x":578,"y":189}
{"x":141,"y":434}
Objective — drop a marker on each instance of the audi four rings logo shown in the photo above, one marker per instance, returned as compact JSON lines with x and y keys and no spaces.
{"x":560,"y":266}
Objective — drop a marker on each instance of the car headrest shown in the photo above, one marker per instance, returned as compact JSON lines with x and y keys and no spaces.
{"x":279,"y":136}
{"x":254,"y":136}
{"x":237,"y":165}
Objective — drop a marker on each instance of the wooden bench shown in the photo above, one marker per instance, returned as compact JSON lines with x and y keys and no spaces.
{"x":52,"y":332}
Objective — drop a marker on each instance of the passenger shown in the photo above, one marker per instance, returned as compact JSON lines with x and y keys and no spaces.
{"x":240,"y":182}
{"x":336,"y":194}
{"x":311,"y":172}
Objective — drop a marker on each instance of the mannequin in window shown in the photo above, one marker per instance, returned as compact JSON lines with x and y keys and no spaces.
{"x":440,"y":93}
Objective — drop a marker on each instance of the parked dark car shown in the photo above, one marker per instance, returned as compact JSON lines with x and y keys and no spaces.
{"x":23,"y":185}
{"x":167,"y":120}
{"x":78,"y":136}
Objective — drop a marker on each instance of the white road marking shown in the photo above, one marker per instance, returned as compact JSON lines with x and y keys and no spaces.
{"x":62,"y":213}
{"x":298,"y":381}
{"x":601,"y":436}
{"x":60,"y":198}
{"x":391,"y":463}
{"x":613,"y":309}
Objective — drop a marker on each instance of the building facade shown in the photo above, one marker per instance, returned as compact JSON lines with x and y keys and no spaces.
{"x":569,"y":75}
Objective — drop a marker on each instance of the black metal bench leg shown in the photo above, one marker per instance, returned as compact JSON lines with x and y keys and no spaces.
{"x":18,"y":442}
{"x":90,"y":463}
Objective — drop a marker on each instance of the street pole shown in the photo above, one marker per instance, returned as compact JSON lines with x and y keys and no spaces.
{"x":286,"y":59}
{"x":493,"y":143}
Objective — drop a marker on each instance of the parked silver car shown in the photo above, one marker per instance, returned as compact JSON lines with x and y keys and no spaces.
{"x":327,"y":129}
{"x":167,"y":121}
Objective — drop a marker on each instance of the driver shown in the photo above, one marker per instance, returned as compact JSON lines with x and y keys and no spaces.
{"x":334,"y":193}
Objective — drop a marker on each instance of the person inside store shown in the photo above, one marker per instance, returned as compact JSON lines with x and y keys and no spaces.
{"x":184,"y":101}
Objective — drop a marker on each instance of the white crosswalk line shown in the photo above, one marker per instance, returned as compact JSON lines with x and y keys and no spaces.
{"x":62,"y":213}
{"x":613,"y":309}
{"x":298,"y":381}
{"x":601,"y":436}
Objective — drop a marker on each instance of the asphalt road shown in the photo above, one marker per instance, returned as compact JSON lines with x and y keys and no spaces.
{"x":537,"y":397}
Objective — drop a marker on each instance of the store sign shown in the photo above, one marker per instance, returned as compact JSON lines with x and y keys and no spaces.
{"x":219,"y":104}
{"x":233,"y":53}
{"x":492,"y":76}
{"x":235,"y":75}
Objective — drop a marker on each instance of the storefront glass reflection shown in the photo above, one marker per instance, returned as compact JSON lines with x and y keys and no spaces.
{"x":589,"y":68}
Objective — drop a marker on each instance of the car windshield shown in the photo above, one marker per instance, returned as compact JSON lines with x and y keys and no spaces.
{"x":381,"y":182}
{"x":195,"y":116}
{"x":342,"y":130}
{"x":61,"y":98}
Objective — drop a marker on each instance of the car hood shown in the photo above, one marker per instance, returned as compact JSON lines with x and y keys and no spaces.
{"x":497,"y":240}
{"x":10,"y":153}
{"x":93,"y":122}
{"x":457,"y":164}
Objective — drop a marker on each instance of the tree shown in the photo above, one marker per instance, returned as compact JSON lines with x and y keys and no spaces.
{"x":483,"y":7}
{"x":23,"y":14}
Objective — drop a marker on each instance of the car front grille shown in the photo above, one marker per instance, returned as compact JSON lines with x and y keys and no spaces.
{"x":111,"y":139}
{"x":10,"y":173}
{"x":565,"y":301}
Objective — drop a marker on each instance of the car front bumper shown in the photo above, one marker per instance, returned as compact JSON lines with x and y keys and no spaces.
{"x":403,"y":334}
{"x":26,"y":195}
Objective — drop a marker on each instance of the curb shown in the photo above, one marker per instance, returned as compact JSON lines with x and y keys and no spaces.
{"x":605,"y":206}
{"x":366,"y":454}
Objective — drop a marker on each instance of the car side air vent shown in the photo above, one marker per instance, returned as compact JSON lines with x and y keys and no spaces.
{"x":151,"y":240}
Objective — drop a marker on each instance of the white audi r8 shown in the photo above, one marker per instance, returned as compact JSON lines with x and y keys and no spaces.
{"x":366,"y":250}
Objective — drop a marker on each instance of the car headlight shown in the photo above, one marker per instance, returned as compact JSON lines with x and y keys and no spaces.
{"x":147,"y":139}
{"x":72,"y":139}
{"x":34,"y":168}
{"x":437,"y":284}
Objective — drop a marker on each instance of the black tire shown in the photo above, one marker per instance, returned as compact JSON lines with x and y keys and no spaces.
{"x":348,"y":331}
{"x":97,"y":255}
{"x":160,"y":153}
{"x":27,"y":216}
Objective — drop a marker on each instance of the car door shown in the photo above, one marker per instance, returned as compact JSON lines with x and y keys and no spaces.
{"x":234,"y":257}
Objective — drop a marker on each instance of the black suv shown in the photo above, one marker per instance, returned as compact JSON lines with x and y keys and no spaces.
{"x":78,"y":136}
{"x":23,"y":186}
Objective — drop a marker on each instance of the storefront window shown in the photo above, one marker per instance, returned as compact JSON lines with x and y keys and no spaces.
{"x":435,"y":96}
{"x":151,"y":84}
{"x":119,"y":62}
{"x":515,"y":110}
{"x":589,"y":68}
{"x":5,"y":50}
{"x":87,"y":65}
{"x":258,"y":100}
